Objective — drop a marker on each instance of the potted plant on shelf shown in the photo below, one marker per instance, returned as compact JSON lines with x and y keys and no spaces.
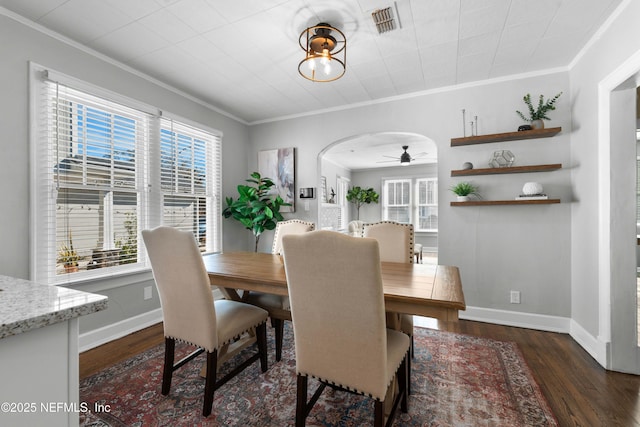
{"x":463,"y":190}
{"x":255,"y":207}
{"x":360,"y":196}
{"x":538,"y":114}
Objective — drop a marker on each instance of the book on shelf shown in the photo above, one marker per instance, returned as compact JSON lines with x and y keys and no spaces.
{"x":532,"y":197}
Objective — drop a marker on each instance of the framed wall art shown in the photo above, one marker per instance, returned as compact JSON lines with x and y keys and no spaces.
{"x":279,"y":165}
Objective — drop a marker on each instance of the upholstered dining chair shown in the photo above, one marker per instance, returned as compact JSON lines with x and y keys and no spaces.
{"x":396,"y":245}
{"x":278,"y":305}
{"x":355,"y":228}
{"x":190,"y":313}
{"x":339,"y":326}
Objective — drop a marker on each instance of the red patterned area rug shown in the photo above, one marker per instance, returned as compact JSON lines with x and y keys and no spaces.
{"x":457,"y":380}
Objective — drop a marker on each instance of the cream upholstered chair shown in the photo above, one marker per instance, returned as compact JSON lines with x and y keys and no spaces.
{"x":340,"y":333}
{"x":191,"y":315}
{"x":277,"y":305}
{"x":396,"y":245}
{"x":355,"y":228}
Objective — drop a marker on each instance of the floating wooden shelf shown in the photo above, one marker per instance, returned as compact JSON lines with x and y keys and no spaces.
{"x":505,"y":170}
{"x":508,"y":136}
{"x":505,"y":202}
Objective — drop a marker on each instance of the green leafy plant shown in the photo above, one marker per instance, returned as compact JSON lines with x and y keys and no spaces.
{"x":540,"y":112}
{"x":255,"y":208}
{"x":360,"y":196}
{"x":465,"y":189}
{"x":67,"y":255}
{"x":129,"y":243}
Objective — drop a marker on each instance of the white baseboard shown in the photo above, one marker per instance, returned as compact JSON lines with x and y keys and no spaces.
{"x":103,"y":335}
{"x":592,"y":345}
{"x":518,"y":319}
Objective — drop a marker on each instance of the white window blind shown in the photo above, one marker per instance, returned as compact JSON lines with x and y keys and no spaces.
{"x":411,"y":201}
{"x":397,"y":200}
{"x":427,"y":204}
{"x":103,"y":171}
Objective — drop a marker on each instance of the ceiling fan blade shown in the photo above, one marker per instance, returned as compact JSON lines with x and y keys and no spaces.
{"x":424,"y":153}
{"x":388,"y":161}
{"x":391,"y":157}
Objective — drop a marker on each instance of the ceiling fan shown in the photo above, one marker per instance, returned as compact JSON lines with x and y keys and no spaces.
{"x":405,"y":158}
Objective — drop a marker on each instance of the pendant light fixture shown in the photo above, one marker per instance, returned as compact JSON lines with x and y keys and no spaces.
{"x":325,"y":53}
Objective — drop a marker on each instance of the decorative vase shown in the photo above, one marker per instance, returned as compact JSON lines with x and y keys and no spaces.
{"x":531,"y":188}
{"x":463,"y":198}
{"x":537,"y":124}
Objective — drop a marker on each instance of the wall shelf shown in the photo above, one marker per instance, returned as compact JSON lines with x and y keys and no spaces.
{"x":506,"y":170}
{"x":508,"y":136}
{"x":505,"y":202}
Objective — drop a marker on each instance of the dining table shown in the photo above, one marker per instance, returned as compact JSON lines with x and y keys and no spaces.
{"x":428,"y":290}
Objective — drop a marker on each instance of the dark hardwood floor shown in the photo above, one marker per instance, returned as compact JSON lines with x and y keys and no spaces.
{"x":579,"y":390}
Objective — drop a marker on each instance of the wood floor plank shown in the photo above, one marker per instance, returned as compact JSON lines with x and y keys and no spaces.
{"x":579,"y":391}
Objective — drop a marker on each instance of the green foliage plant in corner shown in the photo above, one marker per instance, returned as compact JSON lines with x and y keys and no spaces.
{"x":255,"y":206}
{"x":539,"y":112}
{"x":360,"y":196}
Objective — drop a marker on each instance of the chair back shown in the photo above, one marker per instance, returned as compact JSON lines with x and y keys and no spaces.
{"x":291,"y":226}
{"x":355,"y":228}
{"x":183,"y":286}
{"x":337,"y":306}
{"x":396,"y":240}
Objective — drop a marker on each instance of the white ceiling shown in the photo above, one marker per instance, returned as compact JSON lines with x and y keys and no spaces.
{"x":242,"y":56}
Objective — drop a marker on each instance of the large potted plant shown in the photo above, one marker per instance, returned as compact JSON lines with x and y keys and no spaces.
{"x":255,"y":207}
{"x":539,"y":113}
{"x":360,"y":196}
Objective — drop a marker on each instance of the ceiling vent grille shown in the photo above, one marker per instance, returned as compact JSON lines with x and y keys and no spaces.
{"x":383,"y":18}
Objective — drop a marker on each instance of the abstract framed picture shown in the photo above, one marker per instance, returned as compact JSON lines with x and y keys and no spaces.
{"x":279,"y":165}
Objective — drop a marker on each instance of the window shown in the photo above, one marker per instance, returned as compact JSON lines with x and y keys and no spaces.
{"x":411,"y":201}
{"x":105,"y":170}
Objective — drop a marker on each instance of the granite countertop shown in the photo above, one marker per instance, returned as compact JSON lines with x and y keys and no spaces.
{"x":26,"y":305}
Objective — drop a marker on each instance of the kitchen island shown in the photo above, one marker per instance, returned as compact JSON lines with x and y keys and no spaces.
{"x":39,"y":352}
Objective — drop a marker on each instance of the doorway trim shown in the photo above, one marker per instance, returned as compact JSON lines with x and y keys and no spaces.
{"x":607,"y":248}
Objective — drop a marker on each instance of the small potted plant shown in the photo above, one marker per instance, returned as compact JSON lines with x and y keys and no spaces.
{"x":538,"y":114}
{"x":463,"y":190}
{"x":69,"y":258}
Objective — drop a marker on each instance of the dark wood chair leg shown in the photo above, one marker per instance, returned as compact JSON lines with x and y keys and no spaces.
{"x":301,"y":401}
{"x":210,"y":382}
{"x":261,"y":338}
{"x":404,"y":381}
{"x":167,"y":372}
{"x":408,"y":362}
{"x":278,"y":325}
{"x":378,"y":413}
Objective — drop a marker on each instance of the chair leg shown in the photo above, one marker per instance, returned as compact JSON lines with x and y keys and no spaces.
{"x":404,"y":381}
{"x":278,"y":325}
{"x":301,"y":401}
{"x":261,"y":338}
{"x":378,"y":413}
{"x":167,"y":372}
{"x":210,"y":382}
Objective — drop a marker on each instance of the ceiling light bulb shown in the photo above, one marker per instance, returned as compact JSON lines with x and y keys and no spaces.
{"x":327,"y":68}
{"x":312,"y":64}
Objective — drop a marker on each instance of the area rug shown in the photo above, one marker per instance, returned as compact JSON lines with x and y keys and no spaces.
{"x":457,"y":380}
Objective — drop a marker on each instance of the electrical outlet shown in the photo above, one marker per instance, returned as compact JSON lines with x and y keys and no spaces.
{"x":148,"y":292}
{"x":515,"y":297}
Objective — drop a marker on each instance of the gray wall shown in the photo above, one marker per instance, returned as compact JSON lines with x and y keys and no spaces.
{"x":21,"y":44}
{"x":500,"y":248}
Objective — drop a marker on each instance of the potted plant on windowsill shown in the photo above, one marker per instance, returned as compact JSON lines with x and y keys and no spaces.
{"x":69,"y":258}
{"x":360,"y":196}
{"x":463,"y":190}
{"x":538,"y":114}
{"x":255,"y":207}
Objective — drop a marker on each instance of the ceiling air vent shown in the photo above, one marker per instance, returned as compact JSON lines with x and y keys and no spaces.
{"x":383,"y":18}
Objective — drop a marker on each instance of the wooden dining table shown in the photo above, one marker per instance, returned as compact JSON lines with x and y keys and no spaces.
{"x":419,"y":289}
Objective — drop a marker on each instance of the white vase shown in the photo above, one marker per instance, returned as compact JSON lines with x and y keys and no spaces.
{"x":463,"y":198}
